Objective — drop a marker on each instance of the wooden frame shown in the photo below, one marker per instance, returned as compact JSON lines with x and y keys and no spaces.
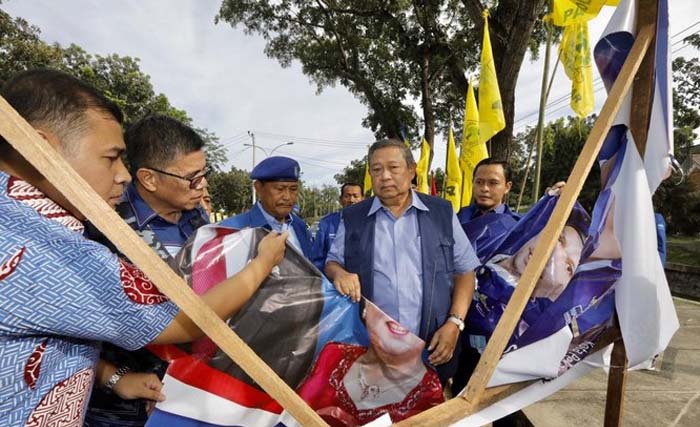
{"x":638,"y":70}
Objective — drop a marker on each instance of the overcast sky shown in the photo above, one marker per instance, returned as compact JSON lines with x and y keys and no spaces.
{"x":224,"y":81}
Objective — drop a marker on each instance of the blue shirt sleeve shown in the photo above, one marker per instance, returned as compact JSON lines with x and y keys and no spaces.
{"x":79,"y":289}
{"x":337,"y":251}
{"x":465,"y":259}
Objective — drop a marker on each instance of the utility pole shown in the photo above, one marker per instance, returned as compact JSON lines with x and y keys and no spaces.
{"x":252,"y":184}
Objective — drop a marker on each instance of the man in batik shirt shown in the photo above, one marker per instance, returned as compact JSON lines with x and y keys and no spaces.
{"x":61,"y":293}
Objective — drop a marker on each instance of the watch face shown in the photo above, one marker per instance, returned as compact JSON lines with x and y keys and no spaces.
{"x":457,"y":321}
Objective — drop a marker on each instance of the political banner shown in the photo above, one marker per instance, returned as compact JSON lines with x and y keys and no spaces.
{"x":349,"y":361}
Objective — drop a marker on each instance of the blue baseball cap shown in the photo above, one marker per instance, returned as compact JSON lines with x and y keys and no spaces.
{"x":276,"y":168}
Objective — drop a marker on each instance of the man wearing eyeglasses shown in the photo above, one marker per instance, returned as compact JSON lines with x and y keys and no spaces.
{"x":169,"y":170}
{"x":162,"y":204}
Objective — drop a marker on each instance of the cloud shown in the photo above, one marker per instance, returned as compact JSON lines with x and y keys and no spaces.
{"x":222,"y":78}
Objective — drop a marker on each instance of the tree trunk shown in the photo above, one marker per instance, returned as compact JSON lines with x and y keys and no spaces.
{"x":511,"y":27}
{"x":427,"y":103}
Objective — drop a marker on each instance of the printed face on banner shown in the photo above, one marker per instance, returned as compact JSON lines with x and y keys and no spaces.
{"x":560,"y":267}
{"x":350,"y":362}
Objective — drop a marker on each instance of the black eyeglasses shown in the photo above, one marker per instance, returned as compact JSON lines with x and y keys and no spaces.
{"x":195,"y":181}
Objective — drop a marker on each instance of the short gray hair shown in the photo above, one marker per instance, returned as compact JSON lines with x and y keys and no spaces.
{"x":391,"y":142}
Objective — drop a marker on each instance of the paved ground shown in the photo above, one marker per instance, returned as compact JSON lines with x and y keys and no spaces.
{"x":669,"y":396}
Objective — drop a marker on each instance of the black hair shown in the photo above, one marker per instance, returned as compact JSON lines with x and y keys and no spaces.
{"x":492,"y":161}
{"x":56,"y":100}
{"x":384,"y":143}
{"x":351,"y":184}
{"x":157,"y":140}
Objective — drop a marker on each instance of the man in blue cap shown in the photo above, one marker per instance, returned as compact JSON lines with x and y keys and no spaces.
{"x":277,"y":185}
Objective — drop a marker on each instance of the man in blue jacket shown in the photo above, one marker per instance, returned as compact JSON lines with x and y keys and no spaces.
{"x":407,"y":253}
{"x":350,"y":193}
{"x":490,"y":186}
{"x":277,"y":185}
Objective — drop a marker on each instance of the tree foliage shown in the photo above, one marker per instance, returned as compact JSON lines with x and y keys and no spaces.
{"x":680,"y":203}
{"x":314,"y":202}
{"x":353,"y":173}
{"x":563,"y":140}
{"x":392,"y":54}
{"x":231,"y":191}
{"x":118,"y":77}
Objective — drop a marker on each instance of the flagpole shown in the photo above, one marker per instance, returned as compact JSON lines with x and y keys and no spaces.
{"x":543,"y":103}
{"x":528,"y":166}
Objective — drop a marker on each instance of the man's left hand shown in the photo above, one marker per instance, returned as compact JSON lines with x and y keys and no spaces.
{"x":443,"y":344}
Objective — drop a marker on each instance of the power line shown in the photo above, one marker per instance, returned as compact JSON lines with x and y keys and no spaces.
{"x":597,"y":84}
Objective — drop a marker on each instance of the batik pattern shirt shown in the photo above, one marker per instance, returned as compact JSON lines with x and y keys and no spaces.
{"x":60,"y":296}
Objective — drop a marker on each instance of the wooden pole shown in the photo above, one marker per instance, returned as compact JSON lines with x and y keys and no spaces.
{"x":439,"y":416}
{"x":617,"y":379}
{"x":540,"y":117}
{"x":640,"y":116}
{"x":528,"y":166}
{"x":58,"y":172}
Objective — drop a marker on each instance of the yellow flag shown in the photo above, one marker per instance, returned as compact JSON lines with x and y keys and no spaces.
{"x":473,"y":151}
{"x":575,"y":54}
{"x":422,"y":168}
{"x":368,"y":180}
{"x":491,"y":119}
{"x":453,"y":180}
{"x":567,"y":12}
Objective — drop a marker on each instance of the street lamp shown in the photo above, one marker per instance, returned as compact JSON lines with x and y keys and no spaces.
{"x":271,"y":151}
{"x":264,"y":151}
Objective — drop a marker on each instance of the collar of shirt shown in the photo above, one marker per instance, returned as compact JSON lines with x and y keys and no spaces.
{"x":476,"y":212}
{"x":31,"y":196}
{"x":276,"y":225}
{"x":145,"y":214}
{"x":416,"y":202}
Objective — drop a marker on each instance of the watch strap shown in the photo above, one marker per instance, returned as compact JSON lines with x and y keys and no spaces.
{"x":456,"y":320}
{"x":116,"y":376}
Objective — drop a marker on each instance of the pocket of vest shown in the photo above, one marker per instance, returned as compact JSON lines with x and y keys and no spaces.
{"x":447,"y":250}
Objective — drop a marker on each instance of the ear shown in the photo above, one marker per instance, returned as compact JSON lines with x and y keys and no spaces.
{"x":51,"y":138}
{"x":509,"y":185}
{"x":258,"y":186}
{"x":412,"y":170}
{"x":147,"y":179}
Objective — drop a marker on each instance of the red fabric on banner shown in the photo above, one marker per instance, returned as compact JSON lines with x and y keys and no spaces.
{"x":196,"y":373}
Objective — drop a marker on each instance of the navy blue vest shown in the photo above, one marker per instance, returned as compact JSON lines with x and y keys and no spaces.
{"x":437,"y":248}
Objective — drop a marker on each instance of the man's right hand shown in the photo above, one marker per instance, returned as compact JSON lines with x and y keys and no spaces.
{"x":271,"y":248}
{"x":348,"y":284}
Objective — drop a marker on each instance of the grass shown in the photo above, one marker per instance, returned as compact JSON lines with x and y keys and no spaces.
{"x":683,"y":250}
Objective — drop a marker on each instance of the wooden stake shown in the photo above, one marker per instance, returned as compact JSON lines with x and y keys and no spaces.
{"x":617,"y":378}
{"x":58,"y":172}
{"x":438,"y":416}
{"x":640,"y":117}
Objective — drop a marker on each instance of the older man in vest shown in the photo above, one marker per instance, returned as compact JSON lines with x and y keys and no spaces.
{"x":407,"y":253}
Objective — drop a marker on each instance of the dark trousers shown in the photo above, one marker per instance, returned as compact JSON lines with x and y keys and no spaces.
{"x":468,"y":359}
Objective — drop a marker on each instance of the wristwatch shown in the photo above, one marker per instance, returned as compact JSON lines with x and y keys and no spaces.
{"x":116,"y":376}
{"x":457,"y":321}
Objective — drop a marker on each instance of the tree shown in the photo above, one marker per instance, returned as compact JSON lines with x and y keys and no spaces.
{"x":391,"y":53}
{"x":353,"y":173}
{"x":314,"y":202}
{"x":231,"y":191}
{"x":118,"y":77}
{"x":564,"y":139}
{"x":680,"y":203}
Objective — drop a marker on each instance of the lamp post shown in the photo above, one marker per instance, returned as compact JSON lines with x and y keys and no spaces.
{"x":252,"y":137}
